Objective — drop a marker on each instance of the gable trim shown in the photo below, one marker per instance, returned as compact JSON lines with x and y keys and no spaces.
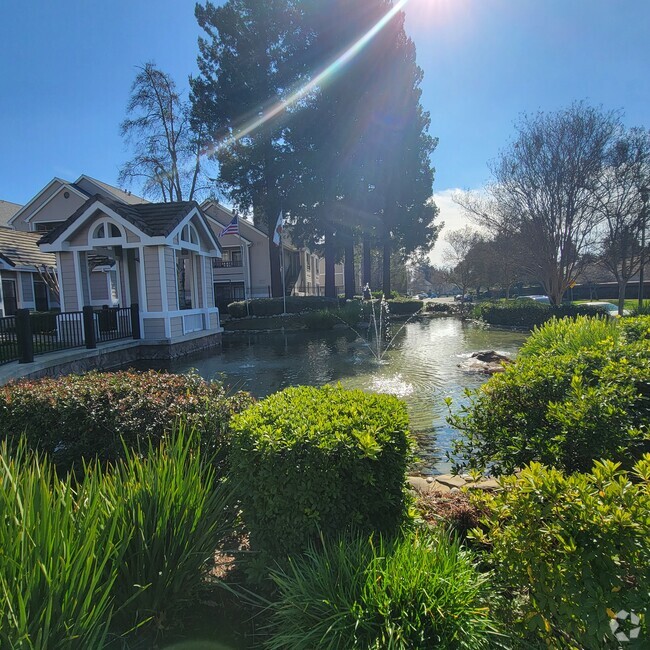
{"x":34,"y":199}
{"x":195,"y":212}
{"x":65,"y":187}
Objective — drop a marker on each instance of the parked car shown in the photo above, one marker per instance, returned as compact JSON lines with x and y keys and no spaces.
{"x":422,"y":296}
{"x":543,"y":299}
{"x":609,"y":307}
{"x":463,"y":298}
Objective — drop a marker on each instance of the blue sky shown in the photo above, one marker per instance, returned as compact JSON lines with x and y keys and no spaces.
{"x":66,"y":69}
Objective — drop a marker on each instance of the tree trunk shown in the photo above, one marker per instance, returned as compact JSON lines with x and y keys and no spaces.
{"x":386,"y":269}
{"x":622,"y":286}
{"x":350,"y":288}
{"x":367,"y":266}
{"x":330,"y":261}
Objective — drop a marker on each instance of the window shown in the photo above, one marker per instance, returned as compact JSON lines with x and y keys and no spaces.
{"x":106,"y":230}
{"x":47,"y":226}
{"x":184,"y":277}
{"x":40,"y":295}
{"x":308,"y":259}
{"x":188,"y":234}
{"x":9,"y":295}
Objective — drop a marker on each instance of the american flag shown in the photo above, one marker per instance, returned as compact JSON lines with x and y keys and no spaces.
{"x":231,"y":229}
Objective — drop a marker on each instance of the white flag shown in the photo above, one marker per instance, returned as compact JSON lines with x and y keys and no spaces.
{"x":277,"y":234}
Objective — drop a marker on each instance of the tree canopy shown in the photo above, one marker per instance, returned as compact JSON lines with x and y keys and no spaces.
{"x":167,"y":148}
{"x":350,"y":157}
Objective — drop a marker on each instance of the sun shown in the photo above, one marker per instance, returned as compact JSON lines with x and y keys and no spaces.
{"x":433,"y":12}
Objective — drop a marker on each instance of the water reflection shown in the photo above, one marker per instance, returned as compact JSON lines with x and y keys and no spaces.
{"x":421,"y":367}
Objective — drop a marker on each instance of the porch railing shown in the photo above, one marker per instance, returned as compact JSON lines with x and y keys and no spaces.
{"x":26,"y":335}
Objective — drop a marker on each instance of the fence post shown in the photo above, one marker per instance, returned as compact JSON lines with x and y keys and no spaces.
{"x":135,"y":321}
{"x":24,"y":336}
{"x":89,"y":328}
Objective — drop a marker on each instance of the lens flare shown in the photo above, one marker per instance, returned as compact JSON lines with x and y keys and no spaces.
{"x":318,"y":81}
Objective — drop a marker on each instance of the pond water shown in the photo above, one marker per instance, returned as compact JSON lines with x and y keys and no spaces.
{"x":421,"y":366}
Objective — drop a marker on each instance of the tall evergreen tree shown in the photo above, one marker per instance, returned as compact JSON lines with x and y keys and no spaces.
{"x":249,"y":62}
{"x":368,"y":136}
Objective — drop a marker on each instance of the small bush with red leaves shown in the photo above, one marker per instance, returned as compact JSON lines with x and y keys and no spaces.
{"x":97,"y":415}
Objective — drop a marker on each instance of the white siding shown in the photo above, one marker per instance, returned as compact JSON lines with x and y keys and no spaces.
{"x":154,"y":328}
{"x":177,"y":326}
{"x":170,"y":276}
{"x":152,"y":278}
{"x":69,"y":281}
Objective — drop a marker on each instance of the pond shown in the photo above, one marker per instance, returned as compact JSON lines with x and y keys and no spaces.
{"x":421,"y":367}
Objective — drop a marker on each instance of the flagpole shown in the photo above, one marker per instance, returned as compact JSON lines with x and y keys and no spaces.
{"x":246,"y":268}
{"x":284,"y":288}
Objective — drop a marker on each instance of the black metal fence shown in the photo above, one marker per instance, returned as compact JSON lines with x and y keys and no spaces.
{"x":28,"y":334}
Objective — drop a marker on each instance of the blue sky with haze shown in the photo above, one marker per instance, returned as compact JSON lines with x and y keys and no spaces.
{"x":66,"y":69}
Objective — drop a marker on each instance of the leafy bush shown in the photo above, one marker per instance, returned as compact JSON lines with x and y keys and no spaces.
{"x":353,"y":312}
{"x":380,"y":294}
{"x":320,"y":320}
{"x":57,"y":557}
{"x":275,"y":306}
{"x":560,"y":336}
{"x":560,"y":404}
{"x":635,"y":329}
{"x":311,"y":460}
{"x":422,"y":591}
{"x":96,"y":414}
{"x":171,"y":514}
{"x":579,"y":546}
{"x":526,"y":313}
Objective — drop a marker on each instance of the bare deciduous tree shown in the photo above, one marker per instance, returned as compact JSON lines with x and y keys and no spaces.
{"x":544,"y":191}
{"x":462,"y":269}
{"x":620,"y":203}
{"x":167,"y":147}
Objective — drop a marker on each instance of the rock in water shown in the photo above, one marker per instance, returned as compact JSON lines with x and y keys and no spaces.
{"x":487,"y":361}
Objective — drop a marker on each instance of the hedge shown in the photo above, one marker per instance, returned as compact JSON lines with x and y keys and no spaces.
{"x":526,"y":313}
{"x":95,"y":415}
{"x":275,"y":306}
{"x":308,"y":461}
{"x":404,"y":307}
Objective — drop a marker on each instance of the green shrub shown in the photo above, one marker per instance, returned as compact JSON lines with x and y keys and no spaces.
{"x":275,"y":306}
{"x":353,"y":312}
{"x":561,"y":336}
{"x":380,"y":294}
{"x":171,"y":514}
{"x":437,"y":307}
{"x":57,"y":555}
{"x":96,"y":414}
{"x":578,"y":546}
{"x":635,"y":329}
{"x":526,"y":313}
{"x":422,"y":591}
{"x":320,"y":320}
{"x":311,"y":460}
{"x":560,"y":404}
{"x":403,"y":306}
